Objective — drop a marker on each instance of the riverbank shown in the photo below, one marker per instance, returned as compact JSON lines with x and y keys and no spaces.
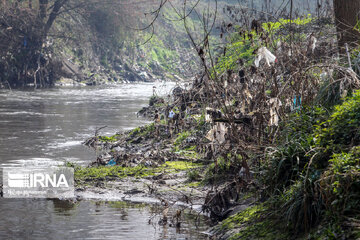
{"x":187,"y":157}
{"x":166,"y":162}
{"x":41,"y":128}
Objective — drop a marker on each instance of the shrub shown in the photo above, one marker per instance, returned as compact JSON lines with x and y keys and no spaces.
{"x":341,"y":131}
{"x":193,"y":175}
{"x":224,"y":168}
{"x":341,"y":182}
{"x":285,"y":163}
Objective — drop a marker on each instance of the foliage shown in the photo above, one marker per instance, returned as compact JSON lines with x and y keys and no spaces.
{"x":315,"y":167}
{"x":242,"y":217}
{"x":242,"y":44}
{"x":140,"y":171}
{"x":193,"y":175}
{"x":341,"y":183}
{"x":287,"y":161}
{"x":342,"y":130}
{"x":222,"y":169}
{"x":252,"y":226}
{"x":181,"y":137}
{"x":112,"y":138}
{"x":142,"y":131}
{"x":281,"y":23}
{"x":302,"y":204}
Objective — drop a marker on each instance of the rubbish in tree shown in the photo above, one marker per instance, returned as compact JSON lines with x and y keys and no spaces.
{"x":296,"y":103}
{"x":264,"y":53}
{"x":275,"y":105}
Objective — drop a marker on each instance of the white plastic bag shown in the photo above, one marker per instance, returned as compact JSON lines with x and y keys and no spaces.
{"x":264,"y":53}
{"x":275,"y":105}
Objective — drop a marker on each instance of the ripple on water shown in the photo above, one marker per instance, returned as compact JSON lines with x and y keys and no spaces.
{"x":46,"y":128}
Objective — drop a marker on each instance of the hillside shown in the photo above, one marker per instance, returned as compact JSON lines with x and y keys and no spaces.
{"x":92,"y":42}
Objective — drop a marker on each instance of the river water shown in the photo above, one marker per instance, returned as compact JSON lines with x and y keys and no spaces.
{"x":46,"y":127}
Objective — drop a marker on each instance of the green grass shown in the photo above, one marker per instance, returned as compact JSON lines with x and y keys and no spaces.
{"x":113,"y":138}
{"x":142,"y":131}
{"x":118,"y":172}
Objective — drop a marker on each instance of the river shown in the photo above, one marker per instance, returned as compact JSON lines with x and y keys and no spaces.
{"x":46,"y":127}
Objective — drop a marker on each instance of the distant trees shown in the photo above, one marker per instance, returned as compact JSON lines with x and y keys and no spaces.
{"x":347,"y":17}
{"x":24,"y":27}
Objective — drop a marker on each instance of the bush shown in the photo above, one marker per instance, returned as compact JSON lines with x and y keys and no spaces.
{"x":285,"y":163}
{"x":193,"y":175}
{"x":223,"y":169}
{"x":302,"y":205}
{"x":342,"y":130}
{"x":340,"y":183}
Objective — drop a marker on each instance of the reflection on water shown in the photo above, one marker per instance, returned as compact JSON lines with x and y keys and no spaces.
{"x":55,"y":219}
{"x":46,"y":127}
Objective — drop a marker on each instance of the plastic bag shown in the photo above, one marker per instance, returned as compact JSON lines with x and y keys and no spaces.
{"x":264,"y":53}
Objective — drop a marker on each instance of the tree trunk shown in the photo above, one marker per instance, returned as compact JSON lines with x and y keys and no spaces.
{"x":346,"y":18}
{"x":54,"y":13}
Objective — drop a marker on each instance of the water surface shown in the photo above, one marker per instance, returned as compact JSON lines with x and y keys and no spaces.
{"x":46,"y":127}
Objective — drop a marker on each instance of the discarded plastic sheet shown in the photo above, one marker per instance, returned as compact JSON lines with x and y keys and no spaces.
{"x":171,"y":114}
{"x":275,"y":104}
{"x":313,"y":42}
{"x":217,"y":133}
{"x":264,"y":53}
{"x":296,"y":103}
{"x":112,"y":162}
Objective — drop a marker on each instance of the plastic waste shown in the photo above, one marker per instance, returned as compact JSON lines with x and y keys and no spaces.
{"x":171,"y":114}
{"x":275,"y":105}
{"x":313,"y":42}
{"x":217,"y":133}
{"x":264,"y":53}
{"x":112,"y":162}
{"x":296,"y":103}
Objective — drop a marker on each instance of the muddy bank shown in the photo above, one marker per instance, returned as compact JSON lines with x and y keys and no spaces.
{"x":170,"y":161}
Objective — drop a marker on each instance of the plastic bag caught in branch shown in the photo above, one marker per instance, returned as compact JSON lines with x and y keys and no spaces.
{"x":264,"y":53}
{"x":275,"y":105}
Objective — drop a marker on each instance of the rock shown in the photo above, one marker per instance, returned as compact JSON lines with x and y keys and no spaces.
{"x":71,"y":70}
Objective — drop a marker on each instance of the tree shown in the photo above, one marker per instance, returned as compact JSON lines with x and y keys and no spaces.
{"x":24,"y":31}
{"x":347,"y":17}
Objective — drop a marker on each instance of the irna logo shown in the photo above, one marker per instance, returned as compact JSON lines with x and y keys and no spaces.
{"x":54,"y":182}
{"x":33,"y":180}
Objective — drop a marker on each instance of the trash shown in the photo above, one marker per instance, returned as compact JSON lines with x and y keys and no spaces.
{"x":217,"y":133}
{"x":211,"y":114}
{"x":275,"y":105}
{"x":264,"y":53}
{"x":210,"y":135}
{"x":296,"y":103}
{"x":171,"y":114}
{"x":312,"y":43}
{"x":112,"y":162}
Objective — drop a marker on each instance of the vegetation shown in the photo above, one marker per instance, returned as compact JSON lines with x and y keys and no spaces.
{"x":274,"y":114}
{"x":315,"y":169}
{"x":141,"y":171}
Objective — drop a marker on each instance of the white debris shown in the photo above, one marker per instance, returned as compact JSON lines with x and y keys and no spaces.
{"x":264,"y":53}
{"x":217,"y":133}
{"x":211,"y":114}
{"x":313,"y":42}
{"x":275,"y":105}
